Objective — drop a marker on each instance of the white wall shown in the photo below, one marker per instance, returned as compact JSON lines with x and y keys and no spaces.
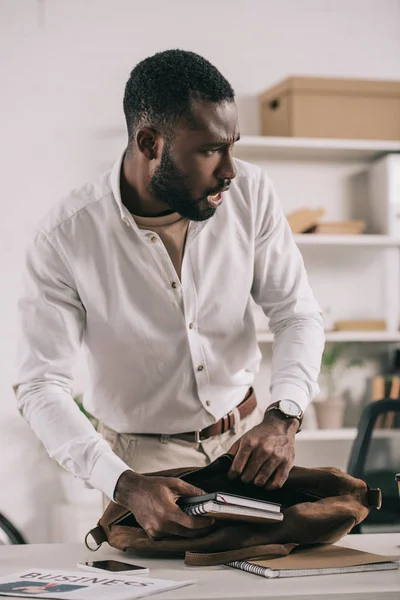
{"x":63,"y":66}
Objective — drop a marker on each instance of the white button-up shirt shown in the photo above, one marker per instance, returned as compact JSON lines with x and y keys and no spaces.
{"x":164,"y":355}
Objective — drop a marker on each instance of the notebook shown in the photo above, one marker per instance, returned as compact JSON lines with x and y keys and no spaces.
{"x":321,"y":559}
{"x":227,"y":498}
{"x":229,"y":506}
{"x":231,"y":512}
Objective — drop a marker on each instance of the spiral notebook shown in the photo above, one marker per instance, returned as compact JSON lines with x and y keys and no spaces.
{"x":322,"y":559}
{"x":232,"y":512}
{"x":222,"y":505}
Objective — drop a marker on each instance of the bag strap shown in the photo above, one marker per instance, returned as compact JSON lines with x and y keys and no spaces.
{"x":99,"y":536}
{"x":207,"y":559}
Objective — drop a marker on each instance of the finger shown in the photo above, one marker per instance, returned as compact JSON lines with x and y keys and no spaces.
{"x":239,"y":462}
{"x":279,"y":477}
{"x":191,"y":522}
{"x":234,"y":448}
{"x":179,"y":523}
{"x":254,"y":464}
{"x":266,"y":471}
{"x":277,"y":480}
{"x":182,"y":488}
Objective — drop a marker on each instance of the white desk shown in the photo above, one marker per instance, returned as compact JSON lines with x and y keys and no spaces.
{"x":218,"y":583}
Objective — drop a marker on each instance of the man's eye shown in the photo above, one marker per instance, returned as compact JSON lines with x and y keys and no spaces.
{"x":211,"y":151}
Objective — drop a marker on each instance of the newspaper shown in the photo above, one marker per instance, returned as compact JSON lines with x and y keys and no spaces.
{"x":78,"y":585}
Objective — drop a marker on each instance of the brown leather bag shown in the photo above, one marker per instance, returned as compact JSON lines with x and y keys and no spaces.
{"x":321,"y":505}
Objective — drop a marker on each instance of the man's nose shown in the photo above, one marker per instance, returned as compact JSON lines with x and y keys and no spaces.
{"x":227,"y":168}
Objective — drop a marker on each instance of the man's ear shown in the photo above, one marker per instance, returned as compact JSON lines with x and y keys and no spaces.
{"x":149,"y":143}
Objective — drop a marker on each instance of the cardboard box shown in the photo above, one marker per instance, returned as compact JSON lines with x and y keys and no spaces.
{"x":317,"y":107}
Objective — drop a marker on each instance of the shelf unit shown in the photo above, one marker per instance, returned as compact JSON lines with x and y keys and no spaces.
{"x":265,"y":337}
{"x":283,"y":148}
{"x":309,"y":239}
{"x":322,"y":435}
{"x":269,"y":150}
{"x":343,"y":434}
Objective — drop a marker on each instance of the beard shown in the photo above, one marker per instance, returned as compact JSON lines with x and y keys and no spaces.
{"x":172,"y":187}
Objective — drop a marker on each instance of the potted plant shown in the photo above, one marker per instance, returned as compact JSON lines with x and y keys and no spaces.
{"x":329,"y":410}
{"x":79,"y":401}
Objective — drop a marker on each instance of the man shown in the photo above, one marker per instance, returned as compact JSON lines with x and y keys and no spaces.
{"x":152,"y":268}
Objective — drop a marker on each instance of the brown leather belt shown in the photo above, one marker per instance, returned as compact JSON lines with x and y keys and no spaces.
{"x":226,"y":423}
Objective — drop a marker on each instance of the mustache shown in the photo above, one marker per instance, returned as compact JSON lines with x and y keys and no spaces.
{"x":221,"y":188}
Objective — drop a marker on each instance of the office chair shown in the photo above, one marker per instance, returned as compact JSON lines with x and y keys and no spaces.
{"x":9,"y":534}
{"x":375,"y":458}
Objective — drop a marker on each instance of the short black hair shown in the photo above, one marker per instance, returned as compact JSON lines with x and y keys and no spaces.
{"x":161,"y":88}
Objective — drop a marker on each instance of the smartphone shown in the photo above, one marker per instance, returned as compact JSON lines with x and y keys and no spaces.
{"x":113,"y":566}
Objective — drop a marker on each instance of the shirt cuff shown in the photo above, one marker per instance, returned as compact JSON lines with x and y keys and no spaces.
{"x":106,"y":472}
{"x":288,"y":391}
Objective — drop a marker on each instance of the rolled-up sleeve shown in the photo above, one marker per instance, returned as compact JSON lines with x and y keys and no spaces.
{"x":281,"y":288}
{"x":51,"y":325}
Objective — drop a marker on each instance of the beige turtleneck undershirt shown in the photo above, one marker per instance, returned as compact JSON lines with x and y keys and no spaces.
{"x":172,"y":230}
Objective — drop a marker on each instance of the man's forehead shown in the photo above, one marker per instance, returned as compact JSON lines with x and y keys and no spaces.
{"x":217,"y":121}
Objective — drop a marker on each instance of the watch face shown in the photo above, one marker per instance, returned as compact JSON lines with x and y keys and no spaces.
{"x":290,"y":408}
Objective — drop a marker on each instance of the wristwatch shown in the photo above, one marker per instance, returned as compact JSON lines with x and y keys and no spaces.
{"x":289,"y":409}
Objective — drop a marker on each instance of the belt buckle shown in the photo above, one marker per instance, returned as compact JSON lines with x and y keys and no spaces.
{"x":197,"y":438}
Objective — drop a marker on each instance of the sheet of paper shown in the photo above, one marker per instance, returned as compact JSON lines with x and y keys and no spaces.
{"x":80,"y":585}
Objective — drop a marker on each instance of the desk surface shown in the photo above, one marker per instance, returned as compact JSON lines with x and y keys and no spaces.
{"x":218,"y":583}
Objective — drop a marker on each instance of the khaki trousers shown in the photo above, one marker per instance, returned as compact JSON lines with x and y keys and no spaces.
{"x":148,"y":453}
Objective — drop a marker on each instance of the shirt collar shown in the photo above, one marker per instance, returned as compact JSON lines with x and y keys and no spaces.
{"x":115,"y":185}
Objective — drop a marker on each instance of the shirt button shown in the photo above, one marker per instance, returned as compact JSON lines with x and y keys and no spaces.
{"x":191,"y":325}
{"x":174,"y":284}
{"x":154,"y":239}
{"x":208,"y":403}
{"x":200,"y":368}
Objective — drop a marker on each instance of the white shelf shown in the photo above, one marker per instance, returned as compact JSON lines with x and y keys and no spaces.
{"x":310,"y":239}
{"x":313,"y":149}
{"x":311,"y":435}
{"x":343,"y":434}
{"x":345,"y":336}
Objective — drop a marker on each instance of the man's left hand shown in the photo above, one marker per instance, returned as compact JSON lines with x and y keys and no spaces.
{"x":265,"y":454}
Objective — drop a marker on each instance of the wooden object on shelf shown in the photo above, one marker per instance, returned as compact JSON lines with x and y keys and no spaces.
{"x":340,"y":227}
{"x":390,"y":417}
{"x":378,"y":393}
{"x":385,"y":386}
{"x":303,"y":219}
{"x":378,"y":388}
{"x":364,"y":325}
{"x":320,"y":107}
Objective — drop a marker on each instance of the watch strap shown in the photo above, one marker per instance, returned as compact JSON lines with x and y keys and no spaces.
{"x":275,"y":406}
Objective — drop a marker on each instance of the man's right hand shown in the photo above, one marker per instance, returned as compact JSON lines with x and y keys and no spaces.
{"x":152,"y":500}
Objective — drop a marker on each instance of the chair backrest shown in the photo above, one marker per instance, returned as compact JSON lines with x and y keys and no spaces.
{"x":9,"y":534}
{"x":375,"y":455}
